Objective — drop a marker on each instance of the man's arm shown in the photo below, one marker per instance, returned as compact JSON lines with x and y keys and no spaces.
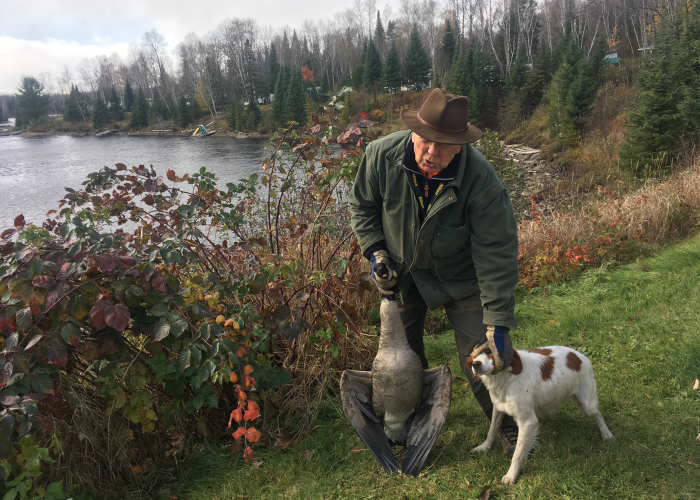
{"x":366,"y":204}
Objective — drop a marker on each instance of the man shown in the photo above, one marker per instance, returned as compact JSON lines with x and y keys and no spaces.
{"x":431,"y":207}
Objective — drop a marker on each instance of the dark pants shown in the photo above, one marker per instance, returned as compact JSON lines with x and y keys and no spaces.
{"x":466,"y":316}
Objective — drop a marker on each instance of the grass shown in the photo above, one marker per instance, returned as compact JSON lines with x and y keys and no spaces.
{"x":639,"y":325}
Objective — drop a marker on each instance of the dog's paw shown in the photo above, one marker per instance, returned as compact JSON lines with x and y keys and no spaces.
{"x":607,"y":435}
{"x":509,"y":479}
{"x":482,"y":448}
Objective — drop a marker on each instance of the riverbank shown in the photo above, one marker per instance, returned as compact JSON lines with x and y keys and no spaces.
{"x":144,"y":133}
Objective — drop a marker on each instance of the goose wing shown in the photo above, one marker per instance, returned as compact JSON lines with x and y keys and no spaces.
{"x":356,"y":398}
{"x":429,"y":418}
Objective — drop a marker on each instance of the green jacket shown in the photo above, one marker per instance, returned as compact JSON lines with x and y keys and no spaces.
{"x":468,"y":241}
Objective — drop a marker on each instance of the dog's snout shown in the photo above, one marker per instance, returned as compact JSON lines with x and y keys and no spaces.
{"x":476,"y":365}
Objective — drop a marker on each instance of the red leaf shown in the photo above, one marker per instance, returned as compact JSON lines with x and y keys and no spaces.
{"x":48,"y":425}
{"x":248,"y":453}
{"x":238,"y":435}
{"x":108,"y":348}
{"x":120,"y":166}
{"x":252,"y":412}
{"x":252,"y":434}
{"x":128,"y":261}
{"x":43,"y":281}
{"x":236,"y":415}
{"x":171,"y":175}
{"x":5,"y":325}
{"x":19,"y":220}
{"x":106,"y":262}
{"x":117,"y":317}
{"x":97,"y":314}
{"x":7,"y":232}
{"x":57,"y":353}
{"x":161,"y":285}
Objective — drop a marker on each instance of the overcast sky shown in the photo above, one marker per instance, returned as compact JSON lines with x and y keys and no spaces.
{"x":44,"y":35}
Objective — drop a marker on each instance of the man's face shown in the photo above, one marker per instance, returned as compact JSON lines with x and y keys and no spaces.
{"x":433,"y":156}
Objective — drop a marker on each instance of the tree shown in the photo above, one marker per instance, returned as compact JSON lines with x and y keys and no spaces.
{"x":688,"y":67}
{"x":561,"y":126}
{"x":535,"y":83}
{"x":448,"y":42}
{"x":325,"y":85}
{"x":115,"y":108}
{"x":416,"y":64}
{"x":72,"y":111}
{"x":372,"y":73}
{"x":457,"y":79}
{"x":391,"y":73}
{"x":273,"y":68}
{"x":100,"y":114}
{"x":654,"y":126}
{"x":582,"y":92}
{"x":139,"y":115}
{"x":183,"y":112}
{"x":253,"y":115}
{"x":379,"y":34}
{"x":518,"y":74}
{"x":128,"y":97}
{"x":279,"y":106}
{"x":32,"y":102}
{"x":296,"y":98}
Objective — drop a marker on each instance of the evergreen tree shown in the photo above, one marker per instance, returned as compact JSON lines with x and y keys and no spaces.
{"x":196,"y":110}
{"x":295,"y":104}
{"x":32,"y":102}
{"x":379,"y":34}
{"x":128,"y":97}
{"x":391,"y":72}
{"x":581,"y":95}
{"x":183,"y":117}
{"x":273,"y":68}
{"x":286,"y":53}
{"x":536,"y":81}
{"x":231,"y":113}
{"x":654,"y":126}
{"x":251,"y":72}
{"x":100,"y":114}
{"x":518,"y":74}
{"x":561,"y":126}
{"x":71,"y":110}
{"x":279,"y":103}
{"x":457,"y":79}
{"x":475,"y":106}
{"x":139,"y":114}
{"x":254,"y":116}
{"x":116,"y":112}
{"x":688,"y":68}
{"x":325,"y":85}
{"x":448,"y":42}
{"x":416,"y":64}
{"x":356,"y":79}
{"x":372,"y":73}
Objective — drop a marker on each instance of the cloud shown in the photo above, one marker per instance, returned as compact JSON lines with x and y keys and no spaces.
{"x":23,"y":57}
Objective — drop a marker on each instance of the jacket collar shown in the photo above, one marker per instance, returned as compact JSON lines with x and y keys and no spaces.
{"x":454,"y":173}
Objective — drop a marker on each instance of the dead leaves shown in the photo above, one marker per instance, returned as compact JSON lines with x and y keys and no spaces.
{"x":284,"y":442}
{"x":356,"y":450}
{"x":696,"y":386}
{"x":307,"y":456}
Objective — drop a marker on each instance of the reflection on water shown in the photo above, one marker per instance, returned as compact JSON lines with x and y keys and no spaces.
{"x":35,"y":170}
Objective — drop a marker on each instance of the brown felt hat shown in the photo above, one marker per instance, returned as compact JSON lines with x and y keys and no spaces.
{"x":442,"y":118}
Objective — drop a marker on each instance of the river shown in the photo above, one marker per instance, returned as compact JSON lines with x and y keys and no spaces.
{"x":35,"y":170}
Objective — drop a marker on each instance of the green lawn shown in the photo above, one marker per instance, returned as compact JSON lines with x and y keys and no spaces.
{"x":638,"y":324}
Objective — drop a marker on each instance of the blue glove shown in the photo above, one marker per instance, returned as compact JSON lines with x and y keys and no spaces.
{"x":383,"y":275}
{"x":498,"y":342}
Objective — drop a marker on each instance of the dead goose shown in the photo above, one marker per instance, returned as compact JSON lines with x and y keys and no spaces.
{"x":397,"y":402}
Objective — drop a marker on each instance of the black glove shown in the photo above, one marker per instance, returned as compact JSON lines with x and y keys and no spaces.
{"x":498,"y":342}
{"x":382,"y":273}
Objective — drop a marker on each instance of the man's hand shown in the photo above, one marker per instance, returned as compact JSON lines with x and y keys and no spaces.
{"x":382,"y":273}
{"x":498,"y":342}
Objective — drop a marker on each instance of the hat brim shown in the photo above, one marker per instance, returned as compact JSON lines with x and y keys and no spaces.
{"x":410,"y":118}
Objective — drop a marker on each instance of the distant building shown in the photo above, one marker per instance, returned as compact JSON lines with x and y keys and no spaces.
{"x":611,"y":58}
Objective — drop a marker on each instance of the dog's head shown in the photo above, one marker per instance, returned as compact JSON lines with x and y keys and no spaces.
{"x":481,"y":365}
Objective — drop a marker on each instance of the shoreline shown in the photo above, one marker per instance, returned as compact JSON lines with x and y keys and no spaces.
{"x":160,"y":133}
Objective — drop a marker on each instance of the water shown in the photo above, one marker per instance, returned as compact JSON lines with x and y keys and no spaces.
{"x":35,"y":170}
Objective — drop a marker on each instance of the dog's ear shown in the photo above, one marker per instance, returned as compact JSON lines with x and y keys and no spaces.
{"x":516,"y":365}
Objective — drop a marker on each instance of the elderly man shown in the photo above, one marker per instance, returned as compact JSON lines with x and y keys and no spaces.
{"x":431,"y":207}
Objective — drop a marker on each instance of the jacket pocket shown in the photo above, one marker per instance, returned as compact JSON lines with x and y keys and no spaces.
{"x":447,"y":241}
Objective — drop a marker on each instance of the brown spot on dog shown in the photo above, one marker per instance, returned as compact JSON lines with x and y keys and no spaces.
{"x":516,"y":365}
{"x":543,"y":351}
{"x":573,"y":362}
{"x":547,"y":368}
{"x":470,"y":372}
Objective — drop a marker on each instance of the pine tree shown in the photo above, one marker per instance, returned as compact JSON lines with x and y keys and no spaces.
{"x":391,"y":72}
{"x":254,"y":116}
{"x":196,"y":110}
{"x":128,"y":97}
{"x":285,"y":53}
{"x":273,"y":68}
{"x":116,"y":112}
{"x":582,"y":92}
{"x":32,"y":102}
{"x":231,"y":113}
{"x":654,"y":126}
{"x":100,"y":114}
{"x":71,"y":110}
{"x":183,"y":112}
{"x":688,"y":68}
{"x":416,"y":64}
{"x":536,"y":81}
{"x":379,"y":34}
{"x":518,"y":74}
{"x":139,"y":115}
{"x":296,"y":98}
{"x":325,"y":85}
{"x":372,"y":73}
{"x":448,"y":42}
{"x":561,"y":127}
{"x":279,"y":103}
{"x":457,"y":79}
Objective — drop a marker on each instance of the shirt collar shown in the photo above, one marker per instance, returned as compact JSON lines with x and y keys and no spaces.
{"x":446,"y":174}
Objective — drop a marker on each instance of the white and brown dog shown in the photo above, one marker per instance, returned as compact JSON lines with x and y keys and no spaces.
{"x":536,"y":384}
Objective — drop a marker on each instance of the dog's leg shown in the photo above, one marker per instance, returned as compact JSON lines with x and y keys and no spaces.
{"x":587,"y":399}
{"x":496,"y":420}
{"x":527,"y":431}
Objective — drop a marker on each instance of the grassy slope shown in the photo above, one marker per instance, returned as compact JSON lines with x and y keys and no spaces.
{"x":639,"y":324}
